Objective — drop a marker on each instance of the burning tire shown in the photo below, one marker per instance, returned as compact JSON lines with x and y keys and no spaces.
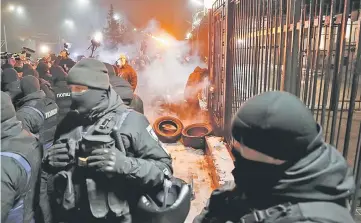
{"x":194,"y":135}
{"x":168,"y":129}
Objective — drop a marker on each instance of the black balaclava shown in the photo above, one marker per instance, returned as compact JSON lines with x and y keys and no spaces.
{"x":276,"y":124}
{"x":256,"y":179}
{"x":29,"y":84}
{"x":85,"y":102}
{"x":9,"y":75}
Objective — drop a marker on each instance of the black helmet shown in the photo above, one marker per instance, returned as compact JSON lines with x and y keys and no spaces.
{"x":166,"y":207}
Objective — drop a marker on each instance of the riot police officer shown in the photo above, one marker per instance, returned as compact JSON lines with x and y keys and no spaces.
{"x":284,"y":170}
{"x":124,"y":90}
{"x":10,"y":84}
{"x":106,"y":155}
{"x":20,"y":164}
{"x":38,"y":113}
{"x":61,"y":90}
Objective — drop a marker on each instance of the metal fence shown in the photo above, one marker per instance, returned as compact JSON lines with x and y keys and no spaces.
{"x":309,"y":48}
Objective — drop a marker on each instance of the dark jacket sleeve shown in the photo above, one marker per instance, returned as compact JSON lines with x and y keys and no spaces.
{"x":32,"y":121}
{"x":13,"y":177}
{"x":224,"y":205}
{"x":151,"y":161}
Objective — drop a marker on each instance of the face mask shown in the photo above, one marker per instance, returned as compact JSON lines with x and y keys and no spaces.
{"x":84,"y":102}
{"x":255,"y":178}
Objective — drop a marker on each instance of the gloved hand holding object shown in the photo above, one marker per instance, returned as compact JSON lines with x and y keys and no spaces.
{"x":109,"y":161}
{"x":58,"y":155}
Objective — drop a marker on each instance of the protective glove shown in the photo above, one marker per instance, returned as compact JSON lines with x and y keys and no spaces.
{"x":58,"y":155}
{"x":109,"y":161}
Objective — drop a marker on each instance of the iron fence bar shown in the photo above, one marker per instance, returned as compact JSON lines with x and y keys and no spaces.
{"x":262,"y":43}
{"x":339,"y":73}
{"x":274,"y":85}
{"x":300,"y":47}
{"x":317,"y":56}
{"x":357,"y":194}
{"x":279,"y":67}
{"x":328,"y":70}
{"x":229,"y":88}
{"x":285,"y":49}
{"x":270,"y":41}
{"x":308,"y":54}
{"x":354,"y":88}
{"x":344,"y":89}
{"x":322,"y":71}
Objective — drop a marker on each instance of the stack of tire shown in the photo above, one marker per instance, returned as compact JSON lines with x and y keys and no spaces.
{"x":170,"y":130}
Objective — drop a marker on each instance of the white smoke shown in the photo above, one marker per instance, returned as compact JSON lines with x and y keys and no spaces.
{"x":165,"y":78}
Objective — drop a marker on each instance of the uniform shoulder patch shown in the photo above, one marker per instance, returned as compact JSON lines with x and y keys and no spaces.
{"x":151,"y":132}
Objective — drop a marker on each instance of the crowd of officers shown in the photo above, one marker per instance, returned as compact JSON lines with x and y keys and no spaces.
{"x":75,"y":147}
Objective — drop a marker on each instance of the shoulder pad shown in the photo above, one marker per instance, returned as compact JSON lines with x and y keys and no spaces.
{"x":106,"y":124}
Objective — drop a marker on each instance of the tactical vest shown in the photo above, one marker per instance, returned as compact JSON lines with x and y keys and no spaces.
{"x":63,"y":100}
{"x":48,"y":110}
{"x":103,"y":196}
{"x":30,"y":160}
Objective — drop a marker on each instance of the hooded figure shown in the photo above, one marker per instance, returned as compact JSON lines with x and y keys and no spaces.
{"x":61,"y":90}
{"x":283,"y":168}
{"x":10,"y":84}
{"x":124,"y":90}
{"x":43,"y":70}
{"x":27,"y":67}
{"x":117,"y":143}
{"x":21,"y":157}
{"x":38,"y":113}
{"x":7,"y":65}
{"x":127,"y":72}
{"x":44,"y":85}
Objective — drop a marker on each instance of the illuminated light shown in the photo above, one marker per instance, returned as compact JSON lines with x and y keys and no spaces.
{"x":240,"y":41}
{"x":116,"y":17}
{"x":208,"y":4}
{"x":44,"y":49}
{"x":69,"y":23}
{"x":11,"y":8}
{"x":98,"y":37}
{"x":197,"y":2}
{"x":83,"y":2}
{"x":19,"y":10}
{"x":135,"y":29}
{"x":189,"y":35}
{"x":75,"y":54}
